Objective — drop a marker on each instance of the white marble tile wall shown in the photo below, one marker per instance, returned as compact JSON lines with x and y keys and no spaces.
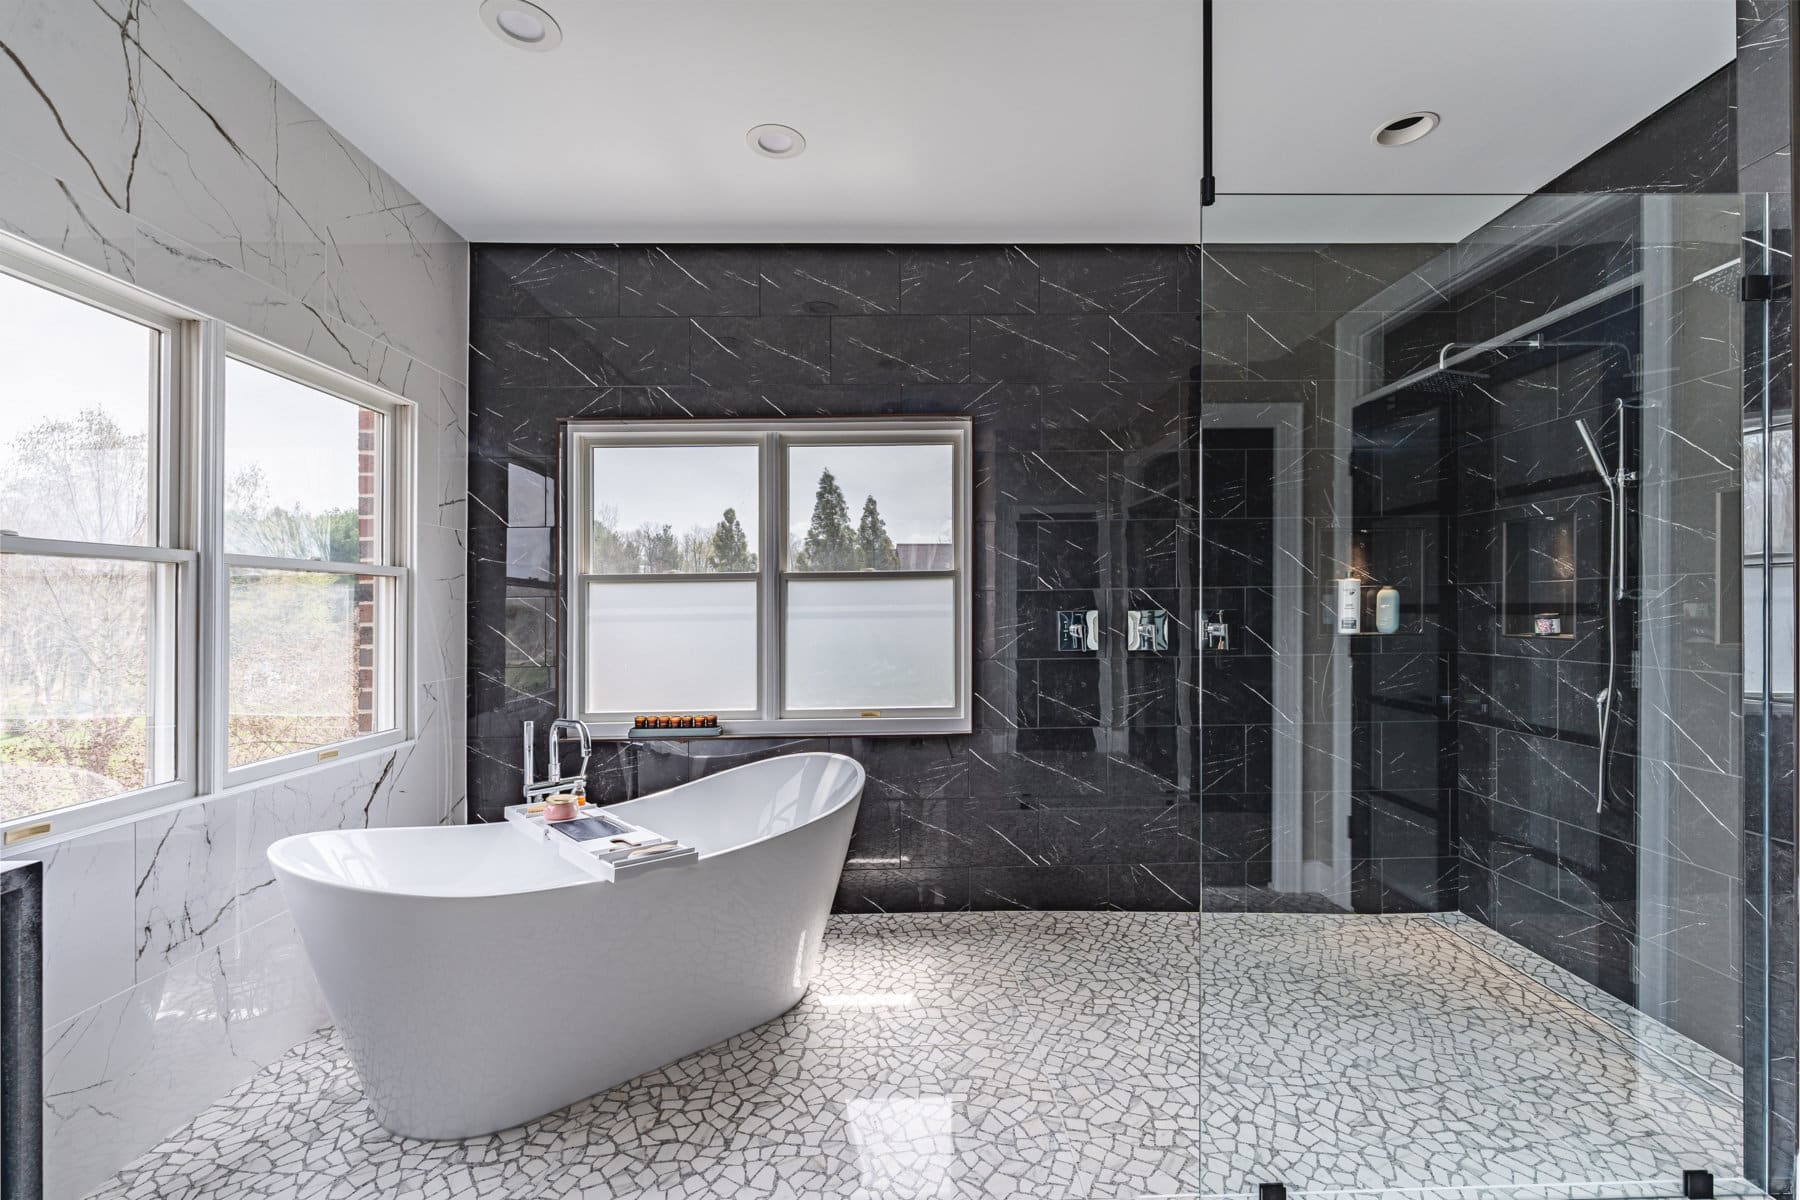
{"x":139,"y":141}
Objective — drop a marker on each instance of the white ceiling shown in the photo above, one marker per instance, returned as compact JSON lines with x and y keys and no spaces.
{"x":978,"y":120}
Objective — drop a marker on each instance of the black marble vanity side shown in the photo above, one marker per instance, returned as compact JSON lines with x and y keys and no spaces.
{"x":21,"y":1030}
{"x":1079,"y":787}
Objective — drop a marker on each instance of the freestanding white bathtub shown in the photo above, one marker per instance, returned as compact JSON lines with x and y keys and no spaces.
{"x":478,"y":980}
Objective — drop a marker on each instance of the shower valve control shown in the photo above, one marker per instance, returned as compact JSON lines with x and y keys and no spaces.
{"x":1218,"y":633}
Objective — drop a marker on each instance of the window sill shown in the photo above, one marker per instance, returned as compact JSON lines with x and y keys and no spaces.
{"x":100,"y":816}
{"x":797,"y":727}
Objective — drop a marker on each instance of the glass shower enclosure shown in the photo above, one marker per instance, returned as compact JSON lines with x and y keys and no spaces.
{"x":1496,"y":544}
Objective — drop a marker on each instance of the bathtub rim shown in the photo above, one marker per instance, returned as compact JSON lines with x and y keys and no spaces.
{"x":850,"y":795}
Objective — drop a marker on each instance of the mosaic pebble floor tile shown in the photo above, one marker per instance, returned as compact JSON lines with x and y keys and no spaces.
{"x":1042,"y":1055}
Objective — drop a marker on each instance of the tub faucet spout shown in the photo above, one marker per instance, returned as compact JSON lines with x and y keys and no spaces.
{"x":561,"y":729}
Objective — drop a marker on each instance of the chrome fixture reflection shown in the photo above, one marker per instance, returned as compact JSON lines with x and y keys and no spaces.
{"x":1614,"y":481}
{"x":1534,"y":342}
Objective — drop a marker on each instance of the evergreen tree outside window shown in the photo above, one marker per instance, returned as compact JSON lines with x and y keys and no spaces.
{"x":873,"y":545}
{"x":730,"y":548}
{"x":830,"y":542}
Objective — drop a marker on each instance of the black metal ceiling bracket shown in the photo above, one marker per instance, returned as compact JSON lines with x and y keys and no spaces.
{"x":1209,"y":189}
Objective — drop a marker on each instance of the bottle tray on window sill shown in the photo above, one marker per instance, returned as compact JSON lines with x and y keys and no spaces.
{"x":666,"y":735}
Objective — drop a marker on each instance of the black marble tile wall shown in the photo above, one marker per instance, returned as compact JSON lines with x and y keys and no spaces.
{"x":1237,"y":711}
{"x":1632,"y":883}
{"x":1080,"y":786}
{"x":1269,"y":312}
{"x":1402,"y":770}
{"x":1543,"y":861}
{"x":1689,"y":145}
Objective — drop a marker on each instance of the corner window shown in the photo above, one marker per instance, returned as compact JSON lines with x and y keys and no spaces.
{"x":791,"y":577}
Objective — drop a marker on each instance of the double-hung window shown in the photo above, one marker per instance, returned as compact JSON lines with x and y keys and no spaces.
{"x":203,"y":573}
{"x":315,"y":590}
{"x":97,"y":575}
{"x":788,"y":577}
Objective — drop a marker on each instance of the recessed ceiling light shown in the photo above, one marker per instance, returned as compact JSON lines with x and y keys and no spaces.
{"x":776,"y":141}
{"x":1403,"y":131}
{"x":521,"y":24}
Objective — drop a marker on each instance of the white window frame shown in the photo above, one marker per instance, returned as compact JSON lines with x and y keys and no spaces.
{"x":393,"y":526}
{"x":187,"y":467}
{"x":171,"y":544}
{"x":773,"y":574}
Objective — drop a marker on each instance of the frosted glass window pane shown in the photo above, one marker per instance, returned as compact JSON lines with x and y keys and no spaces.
{"x":85,"y":686}
{"x":871,"y":644}
{"x":76,"y":388}
{"x":687,"y":510}
{"x":671,"y":647}
{"x":870,"y":508}
{"x":300,"y":474}
{"x":1781,"y":683}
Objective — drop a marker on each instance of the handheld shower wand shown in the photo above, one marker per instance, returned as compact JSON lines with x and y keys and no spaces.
{"x":1593,"y":449}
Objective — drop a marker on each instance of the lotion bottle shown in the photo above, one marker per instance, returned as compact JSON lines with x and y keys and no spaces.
{"x":1387,"y":611}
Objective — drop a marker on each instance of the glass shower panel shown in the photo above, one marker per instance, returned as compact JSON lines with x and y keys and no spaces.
{"x":1479,"y":841}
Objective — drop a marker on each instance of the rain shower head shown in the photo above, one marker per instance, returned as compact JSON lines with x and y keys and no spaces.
{"x":1593,"y":449}
{"x":1453,"y":381}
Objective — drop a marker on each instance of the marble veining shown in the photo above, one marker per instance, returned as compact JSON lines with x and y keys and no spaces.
{"x":1050,"y":1055}
{"x":141,"y":143}
{"x":1078,"y":789}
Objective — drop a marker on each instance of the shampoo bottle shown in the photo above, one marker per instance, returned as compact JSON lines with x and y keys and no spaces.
{"x":1349,"y":605}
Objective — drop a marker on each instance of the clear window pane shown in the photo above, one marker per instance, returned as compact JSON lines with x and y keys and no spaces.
{"x":86,"y":680}
{"x":311,"y":660}
{"x":674,"y":510}
{"x":671,"y":647}
{"x":77,"y":387}
{"x":870,"y":508}
{"x":301,"y":473}
{"x":871,"y":644}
